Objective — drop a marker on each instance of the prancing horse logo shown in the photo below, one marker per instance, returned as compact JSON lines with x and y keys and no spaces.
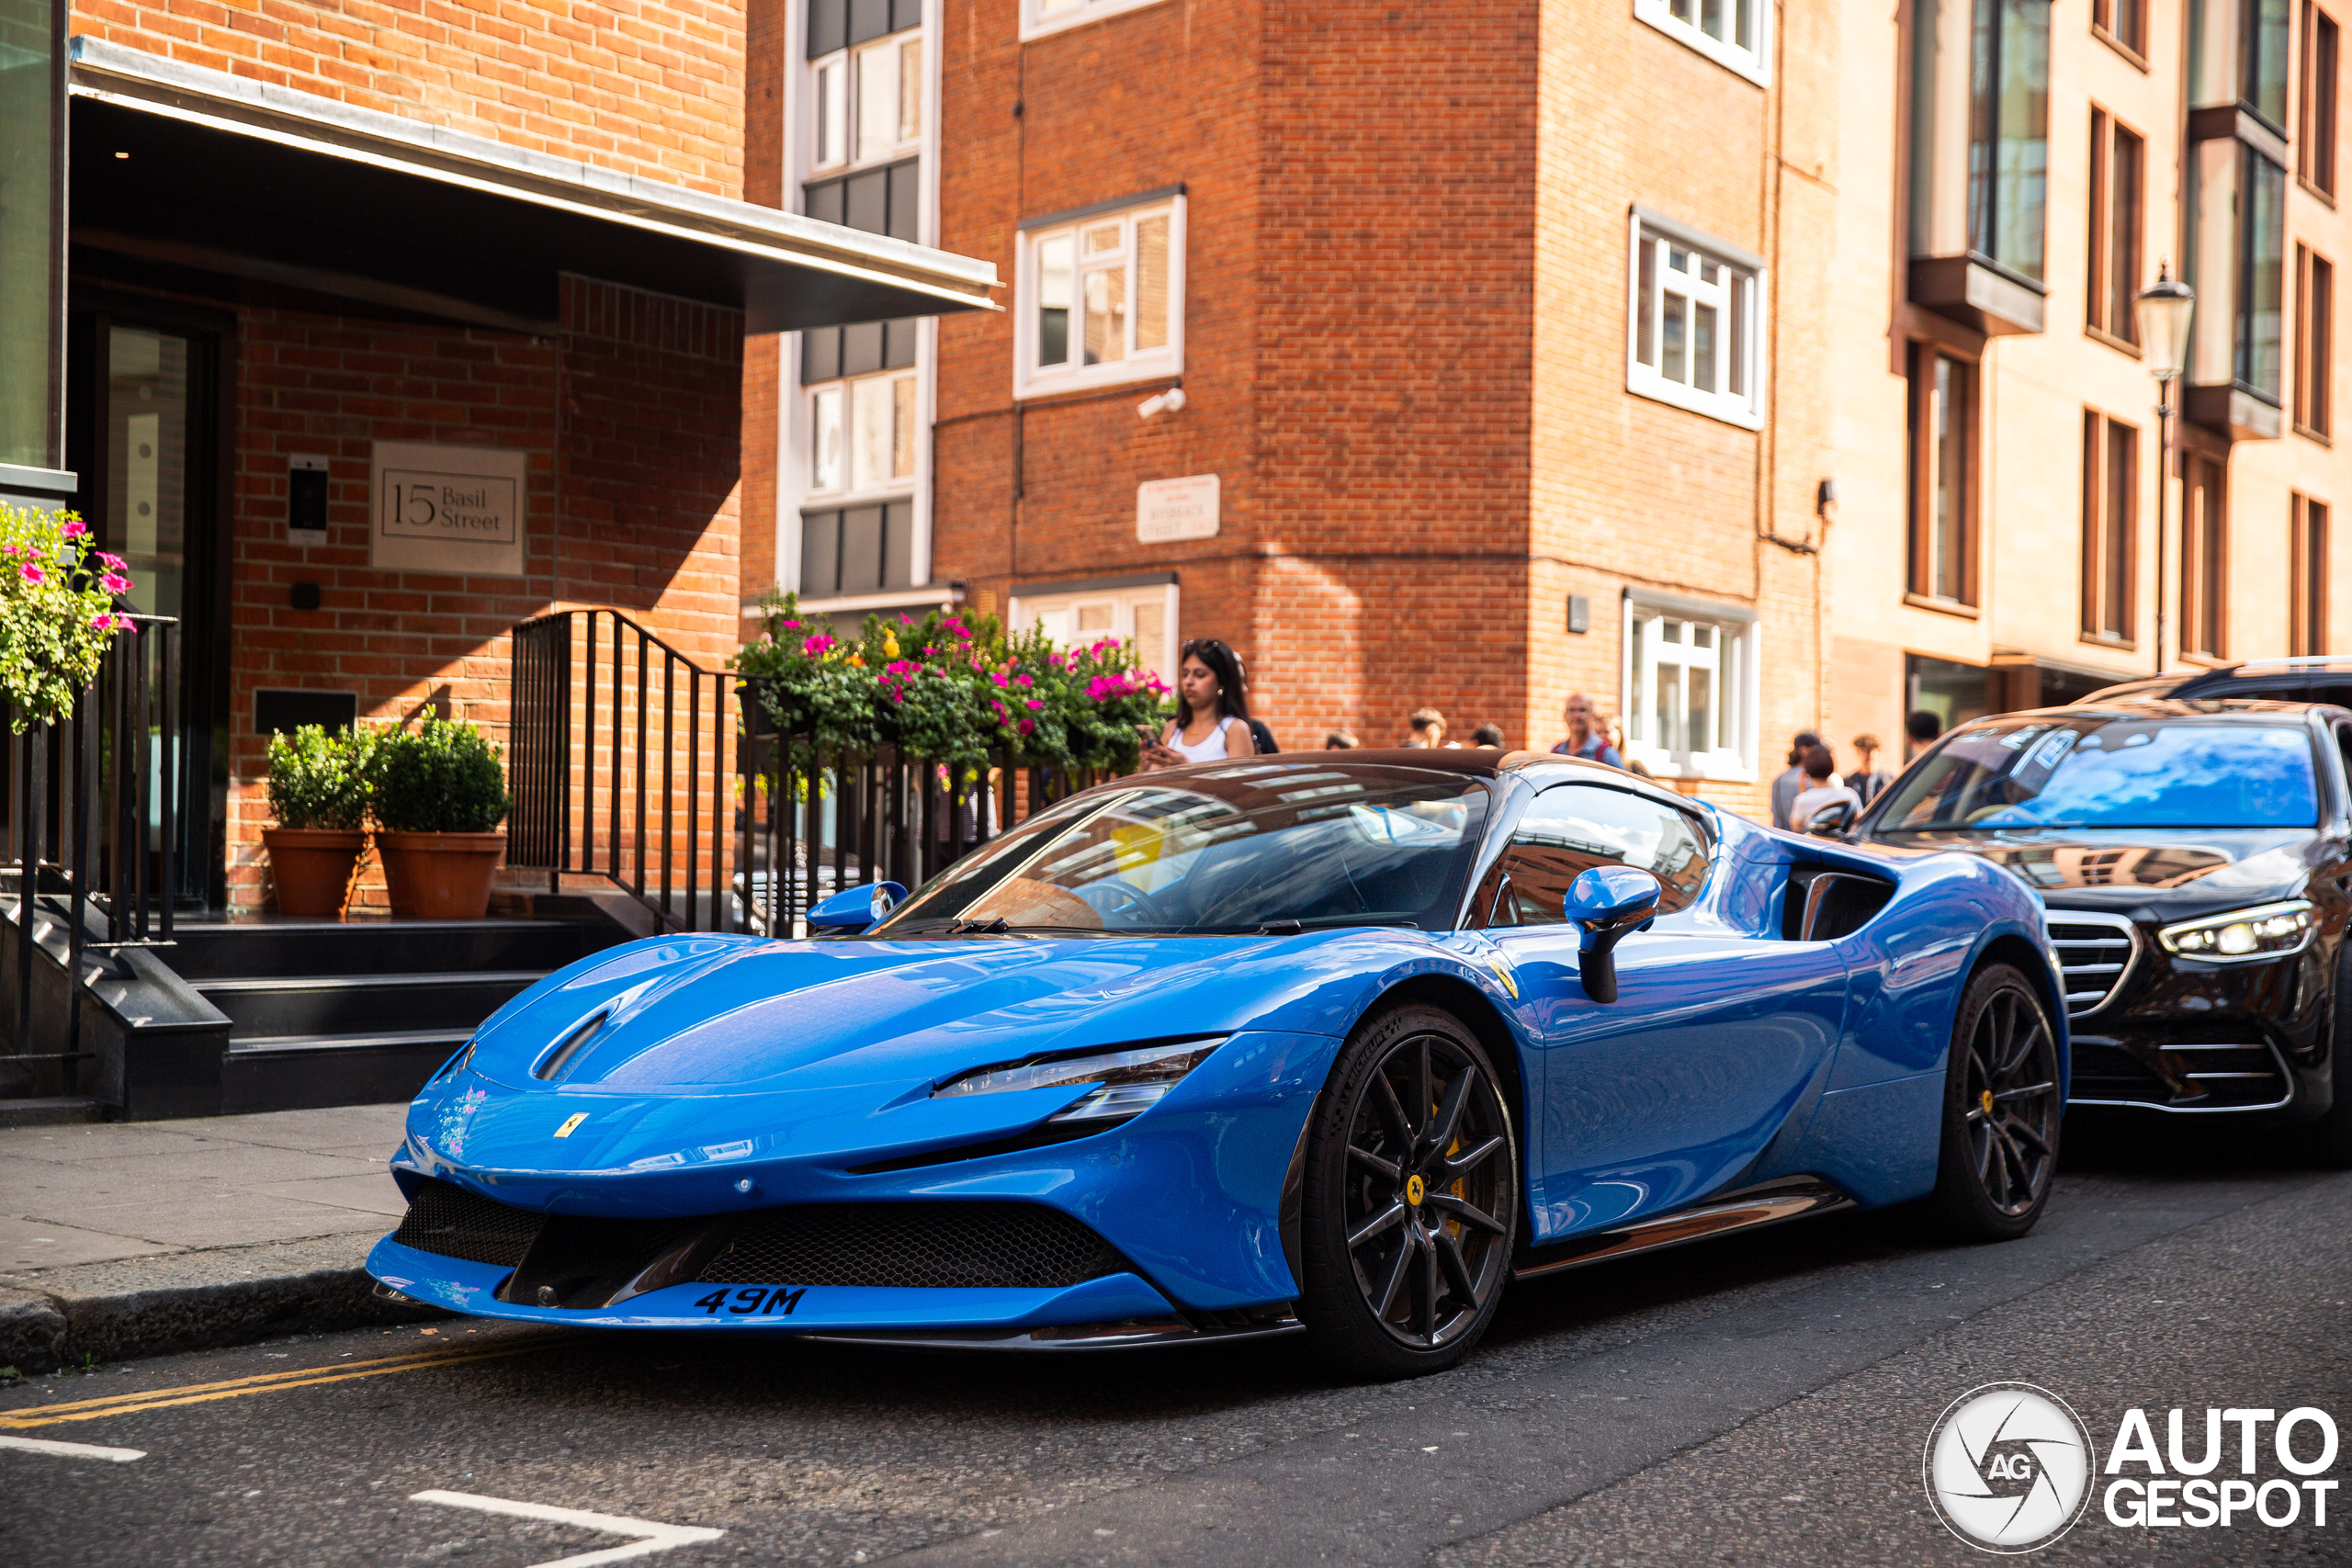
{"x":571,"y":1122}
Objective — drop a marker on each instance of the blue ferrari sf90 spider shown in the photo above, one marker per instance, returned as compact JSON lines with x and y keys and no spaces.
{"x":1311,"y":1045}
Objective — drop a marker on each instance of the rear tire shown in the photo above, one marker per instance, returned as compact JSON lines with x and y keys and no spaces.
{"x":2002,"y":1107}
{"x":1409,"y":1203}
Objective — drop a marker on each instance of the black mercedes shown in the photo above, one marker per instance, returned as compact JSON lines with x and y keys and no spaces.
{"x":2194,"y":855}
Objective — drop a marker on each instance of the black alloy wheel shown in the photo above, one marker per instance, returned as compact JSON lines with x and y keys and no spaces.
{"x":1411,"y":1198}
{"x":2002,"y":1106}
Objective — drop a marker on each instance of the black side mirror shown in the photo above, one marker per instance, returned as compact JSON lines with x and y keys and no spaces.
{"x":1833,"y":821}
{"x":1607,"y":903}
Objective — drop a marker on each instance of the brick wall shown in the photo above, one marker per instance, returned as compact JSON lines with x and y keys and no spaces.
{"x":628,"y":420}
{"x":652,"y":87}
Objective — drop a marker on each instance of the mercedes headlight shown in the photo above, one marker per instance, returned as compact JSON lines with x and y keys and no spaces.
{"x":1128,"y":1081}
{"x":2267,"y":930}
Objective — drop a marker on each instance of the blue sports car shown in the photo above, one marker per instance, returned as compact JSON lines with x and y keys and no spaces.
{"x":1332,"y":1044}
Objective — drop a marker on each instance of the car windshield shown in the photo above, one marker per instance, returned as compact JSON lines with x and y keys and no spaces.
{"x":2101,"y":771}
{"x":1233,"y":850}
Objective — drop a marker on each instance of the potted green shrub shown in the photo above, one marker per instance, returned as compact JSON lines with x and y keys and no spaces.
{"x":440,"y":795}
{"x":318,"y":792}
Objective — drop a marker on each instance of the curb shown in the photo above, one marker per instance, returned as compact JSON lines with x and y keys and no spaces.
{"x":156,"y":1307}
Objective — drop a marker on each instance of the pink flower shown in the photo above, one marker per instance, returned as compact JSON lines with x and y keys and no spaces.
{"x":1036,"y":703}
{"x":102,"y":622}
{"x":998,"y":677}
{"x":115,"y":582}
{"x":32,"y":573}
{"x":793,"y":625}
{"x":111,"y":561}
{"x":1026,"y":726}
{"x":1023,"y":680}
{"x":74,"y":528}
{"x":817,"y":646}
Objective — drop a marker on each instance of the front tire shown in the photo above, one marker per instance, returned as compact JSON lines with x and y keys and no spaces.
{"x":2002,"y":1106}
{"x":1409,"y":1199}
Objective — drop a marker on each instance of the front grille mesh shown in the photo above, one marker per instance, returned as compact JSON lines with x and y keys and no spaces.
{"x":451,"y":1222}
{"x":2094,"y":954}
{"x":931,"y":1246}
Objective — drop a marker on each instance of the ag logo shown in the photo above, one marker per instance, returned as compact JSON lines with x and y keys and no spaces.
{"x":2008,"y":1467}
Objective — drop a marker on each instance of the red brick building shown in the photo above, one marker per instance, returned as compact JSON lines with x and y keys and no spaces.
{"x":327,"y":258}
{"x":1321,"y":340}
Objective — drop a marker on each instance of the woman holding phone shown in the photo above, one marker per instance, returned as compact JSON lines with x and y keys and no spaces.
{"x":1215,"y":721}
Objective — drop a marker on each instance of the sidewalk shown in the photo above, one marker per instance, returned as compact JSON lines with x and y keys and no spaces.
{"x":137,"y":1238}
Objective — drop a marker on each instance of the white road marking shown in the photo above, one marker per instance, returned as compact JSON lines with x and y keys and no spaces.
{"x":72,"y":1450}
{"x":651,"y":1536}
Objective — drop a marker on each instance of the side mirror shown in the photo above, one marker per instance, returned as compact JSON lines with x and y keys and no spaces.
{"x":854,"y":909}
{"x":1833,"y":821}
{"x":1606,"y":904}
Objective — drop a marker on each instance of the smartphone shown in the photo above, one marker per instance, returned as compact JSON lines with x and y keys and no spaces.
{"x":1149,"y":736}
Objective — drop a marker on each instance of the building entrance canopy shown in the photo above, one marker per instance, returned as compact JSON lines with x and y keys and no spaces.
{"x":196,"y":168}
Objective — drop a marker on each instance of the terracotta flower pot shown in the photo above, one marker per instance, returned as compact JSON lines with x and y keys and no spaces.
{"x":440,"y":877}
{"x":312,"y":867}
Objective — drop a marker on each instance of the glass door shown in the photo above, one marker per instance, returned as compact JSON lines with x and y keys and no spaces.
{"x":145,"y":422}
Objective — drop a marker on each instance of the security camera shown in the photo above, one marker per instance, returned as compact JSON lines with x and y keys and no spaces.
{"x":1169,"y":401}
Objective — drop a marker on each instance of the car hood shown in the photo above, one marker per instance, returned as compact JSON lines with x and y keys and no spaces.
{"x":2173,"y":873}
{"x":712,"y":1049}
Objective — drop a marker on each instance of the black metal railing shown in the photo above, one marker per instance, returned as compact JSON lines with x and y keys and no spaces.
{"x":816,"y":822}
{"x":620,"y":763}
{"x":629,"y":762}
{"x":93,"y":806}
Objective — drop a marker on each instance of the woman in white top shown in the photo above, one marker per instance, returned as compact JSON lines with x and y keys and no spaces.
{"x":1216,"y":710}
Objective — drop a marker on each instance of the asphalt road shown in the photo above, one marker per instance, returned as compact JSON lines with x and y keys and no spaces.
{"x":1759,"y":1399}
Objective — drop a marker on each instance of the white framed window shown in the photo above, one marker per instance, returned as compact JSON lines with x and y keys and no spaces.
{"x":1695,"y":333}
{"x":863,"y":435}
{"x":1073,"y":613}
{"x":1039,"y":18}
{"x":1732,"y":33}
{"x":1100,"y":297}
{"x":865,"y":104}
{"x":1691,"y":688}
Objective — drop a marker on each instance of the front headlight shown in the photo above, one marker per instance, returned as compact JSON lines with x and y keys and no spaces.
{"x":2267,"y":930}
{"x":1131,"y":1081}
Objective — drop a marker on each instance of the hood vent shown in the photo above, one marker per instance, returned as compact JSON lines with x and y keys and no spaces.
{"x":553,"y":1063}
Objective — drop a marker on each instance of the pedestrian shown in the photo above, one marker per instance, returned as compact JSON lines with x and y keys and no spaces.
{"x":1341,"y":741}
{"x":1821,"y":788}
{"x":1587,"y":737}
{"x":1919,"y":732}
{"x":1427,"y":727}
{"x":1786,"y":787}
{"x":1868,"y":780}
{"x":1212,"y":720}
{"x":1488,"y":737}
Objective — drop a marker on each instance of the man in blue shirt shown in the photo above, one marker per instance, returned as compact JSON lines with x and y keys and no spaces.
{"x":1585,"y":737}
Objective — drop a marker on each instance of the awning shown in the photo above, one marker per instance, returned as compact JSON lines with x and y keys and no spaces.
{"x":229,"y":175}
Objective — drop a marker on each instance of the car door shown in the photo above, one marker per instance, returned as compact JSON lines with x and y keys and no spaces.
{"x":1715,"y":1039}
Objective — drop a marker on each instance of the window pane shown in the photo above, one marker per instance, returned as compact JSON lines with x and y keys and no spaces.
{"x":2009,"y":137}
{"x":1703,"y":347}
{"x":1093,"y":620}
{"x":1669,"y":707}
{"x":1570,"y":828}
{"x":1640,"y":706}
{"x":1711,"y":17}
{"x":2123,"y":242}
{"x":1671,"y":631}
{"x":2263,"y":59}
{"x":1702,"y":710}
{"x":1948,"y":432}
{"x":1736,"y":345}
{"x":1102,"y":237}
{"x":1672,"y":312}
{"x":825,"y":443}
{"x":1645,"y":304}
{"x":910,"y":88}
{"x":1151,"y":634}
{"x":1746,"y":34}
{"x":1056,"y":7}
{"x":2262,"y":245}
{"x":1106,"y":315}
{"x":1678,"y":259}
{"x":877,"y":102}
{"x":1151,"y":282}
{"x":1702,"y":636}
{"x":2122,"y":481}
{"x":1052,"y":299}
{"x":832,"y":111}
{"x":903,"y":427}
{"x":870,"y":433}
{"x":1687,"y":11}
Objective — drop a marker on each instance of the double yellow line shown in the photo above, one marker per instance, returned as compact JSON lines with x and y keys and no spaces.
{"x":264,"y":1383}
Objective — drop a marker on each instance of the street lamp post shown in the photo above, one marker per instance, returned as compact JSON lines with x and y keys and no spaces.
{"x":2164,"y":308}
